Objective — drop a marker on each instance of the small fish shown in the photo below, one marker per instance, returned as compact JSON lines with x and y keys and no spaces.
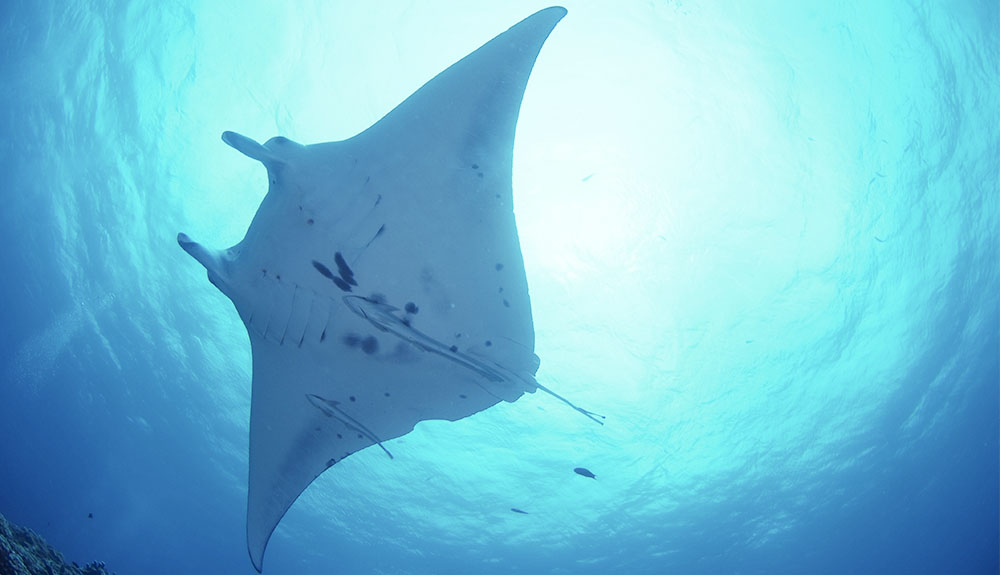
{"x":516,"y":510}
{"x":584,"y":472}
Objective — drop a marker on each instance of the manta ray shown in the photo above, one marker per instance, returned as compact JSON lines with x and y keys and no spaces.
{"x":381,"y":280}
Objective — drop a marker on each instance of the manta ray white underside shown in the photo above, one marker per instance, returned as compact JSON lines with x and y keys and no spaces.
{"x":381,"y":280}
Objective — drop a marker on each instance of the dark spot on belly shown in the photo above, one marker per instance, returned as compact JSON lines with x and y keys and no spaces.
{"x":489,"y":343}
{"x":475,"y":166}
{"x":427,"y":277}
{"x":411,"y":307}
{"x":499,"y":267}
{"x":278,"y":277}
{"x":462,"y":395}
{"x":360,"y":436}
{"x":339,"y":436}
{"x":352,"y":340}
{"x":506,"y":303}
{"x":387,"y":394}
{"x":310,"y":221}
{"x":369,"y":345}
{"x":453,"y":348}
{"x":352,"y":398}
{"x":500,"y":290}
{"x":479,"y":175}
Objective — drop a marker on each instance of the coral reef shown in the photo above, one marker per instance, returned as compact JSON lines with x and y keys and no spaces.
{"x":22,"y":552}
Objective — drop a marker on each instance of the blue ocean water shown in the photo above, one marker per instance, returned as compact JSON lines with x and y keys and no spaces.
{"x":761,"y":238}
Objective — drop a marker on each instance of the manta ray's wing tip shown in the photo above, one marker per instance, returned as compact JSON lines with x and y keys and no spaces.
{"x":257,"y":560}
{"x":556,"y":13}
